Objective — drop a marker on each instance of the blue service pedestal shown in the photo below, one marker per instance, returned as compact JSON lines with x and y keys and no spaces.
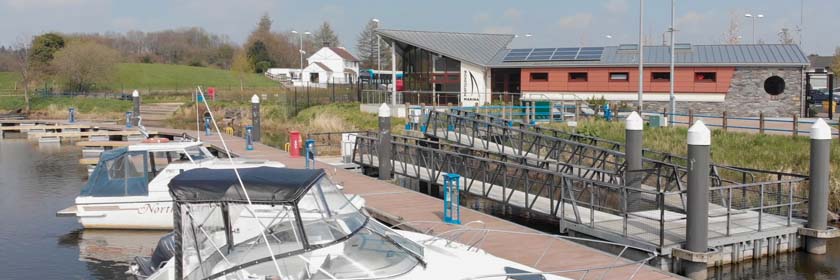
{"x":309,"y":152}
{"x":249,"y":142}
{"x":607,"y":112}
{"x":128,"y":119}
{"x":207,"y":126}
{"x":72,"y":112}
{"x":452,"y":198}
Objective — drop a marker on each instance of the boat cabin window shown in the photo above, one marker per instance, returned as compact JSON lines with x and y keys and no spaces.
{"x":119,"y":173}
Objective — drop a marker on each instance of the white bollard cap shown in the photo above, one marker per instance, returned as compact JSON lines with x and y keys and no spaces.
{"x":255,"y":99}
{"x":384,"y":111}
{"x":699,"y":134}
{"x":135,"y":93}
{"x":634,"y":122}
{"x":820,"y":130}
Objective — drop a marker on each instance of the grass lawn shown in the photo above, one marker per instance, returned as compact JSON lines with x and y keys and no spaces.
{"x":8,"y":79}
{"x":140,"y":75}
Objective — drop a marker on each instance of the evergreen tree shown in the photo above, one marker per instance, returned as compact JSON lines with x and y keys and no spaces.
{"x":366,"y":46}
{"x":326,"y":37}
{"x":258,"y":57}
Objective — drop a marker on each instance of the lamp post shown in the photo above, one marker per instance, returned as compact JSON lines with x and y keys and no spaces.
{"x":378,"y":48}
{"x":300,"y":50}
{"x":641,"y":52}
{"x":673,"y":97}
{"x":753,"y":17}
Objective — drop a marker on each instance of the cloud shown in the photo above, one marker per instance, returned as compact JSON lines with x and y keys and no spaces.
{"x":481,"y":17}
{"x":616,"y":6}
{"x":498,"y":30}
{"x":691,"y":18}
{"x":512,"y":13}
{"x":576,"y":21}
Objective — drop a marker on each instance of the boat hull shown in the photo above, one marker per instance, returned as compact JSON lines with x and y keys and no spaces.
{"x":152,"y":215}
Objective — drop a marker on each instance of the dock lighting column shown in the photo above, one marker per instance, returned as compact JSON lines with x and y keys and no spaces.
{"x":697,"y":230}
{"x":818,"y":189}
{"x":300,"y":50}
{"x":394,"y":73}
{"x":753,"y":17}
{"x":384,"y":142}
{"x":135,"y":98}
{"x":378,"y":48}
{"x":255,"y":117}
{"x":634,"y":127}
{"x":641,"y":51}
{"x":673,"y":98}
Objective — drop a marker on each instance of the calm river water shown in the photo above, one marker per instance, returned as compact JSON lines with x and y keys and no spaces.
{"x":38,"y":180}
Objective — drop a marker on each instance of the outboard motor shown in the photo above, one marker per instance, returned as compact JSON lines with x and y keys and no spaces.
{"x":145,"y":266}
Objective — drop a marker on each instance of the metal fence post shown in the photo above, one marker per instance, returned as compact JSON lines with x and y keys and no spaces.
{"x":135,"y":98}
{"x":384,"y":142}
{"x":725,"y":121}
{"x":697,"y":231}
{"x":255,"y":117}
{"x":633,"y":131}
{"x":690,"y":117}
{"x":795,"y":125}
{"x":761,"y":122}
{"x":818,"y":189}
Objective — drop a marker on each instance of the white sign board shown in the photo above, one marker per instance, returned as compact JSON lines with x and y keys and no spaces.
{"x":475,"y":85}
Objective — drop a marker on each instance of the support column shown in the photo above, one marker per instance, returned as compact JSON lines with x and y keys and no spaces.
{"x":818,"y":189}
{"x":255,"y":117}
{"x":135,"y":98}
{"x":384,"y":142}
{"x":697,"y":230}
{"x":634,"y":127}
{"x":394,"y":74}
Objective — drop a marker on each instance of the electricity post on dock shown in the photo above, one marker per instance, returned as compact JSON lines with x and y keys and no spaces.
{"x":697,"y":214}
{"x":634,"y":127}
{"x":384,"y":148}
{"x":135,"y":98}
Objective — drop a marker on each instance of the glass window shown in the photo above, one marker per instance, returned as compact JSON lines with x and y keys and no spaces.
{"x":327,"y":214}
{"x":539,"y":77}
{"x":619,"y":76}
{"x":578,"y":76}
{"x":660,"y":76}
{"x":705,"y":76}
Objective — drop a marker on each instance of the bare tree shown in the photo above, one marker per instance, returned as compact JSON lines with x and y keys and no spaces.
{"x":23,"y":67}
{"x":241,"y":67}
{"x":84,"y":64}
{"x":785,"y":36}
{"x":732,"y":36}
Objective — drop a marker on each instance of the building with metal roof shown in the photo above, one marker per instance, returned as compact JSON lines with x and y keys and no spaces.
{"x":469,"y":68}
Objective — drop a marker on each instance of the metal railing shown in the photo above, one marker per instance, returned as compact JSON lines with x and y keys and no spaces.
{"x":761,"y":124}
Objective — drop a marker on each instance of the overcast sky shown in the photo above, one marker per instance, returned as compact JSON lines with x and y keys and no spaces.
{"x":553,"y":23}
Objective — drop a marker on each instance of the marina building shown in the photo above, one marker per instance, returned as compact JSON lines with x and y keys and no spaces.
{"x":469,"y":68}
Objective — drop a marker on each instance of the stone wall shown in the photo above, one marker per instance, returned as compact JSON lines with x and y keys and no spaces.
{"x":747,"y":97}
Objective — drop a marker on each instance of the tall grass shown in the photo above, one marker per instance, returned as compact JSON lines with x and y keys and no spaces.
{"x":57,"y":107}
{"x":759,"y":151}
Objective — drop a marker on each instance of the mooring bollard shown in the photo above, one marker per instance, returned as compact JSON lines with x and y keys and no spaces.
{"x":72,"y":112}
{"x":633,"y":131}
{"x":452,"y":198}
{"x":818,"y":189}
{"x":255,"y":117}
{"x":128,"y":119}
{"x":207,"y":126}
{"x":249,"y":143}
{"x":309,"y":153}
{"x":697,"y":231}
{"x":135,"y":98}
{"x":384,"y":142}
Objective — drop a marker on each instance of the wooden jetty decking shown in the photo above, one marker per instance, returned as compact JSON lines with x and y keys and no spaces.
{"x":396,"y":204}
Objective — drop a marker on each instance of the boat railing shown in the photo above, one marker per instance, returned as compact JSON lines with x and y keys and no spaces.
{"x":474,"y":238}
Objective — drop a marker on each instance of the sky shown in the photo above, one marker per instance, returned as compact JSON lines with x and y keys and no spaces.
{"x":552,"y":23}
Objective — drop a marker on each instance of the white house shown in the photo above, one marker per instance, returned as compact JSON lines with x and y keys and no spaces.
{"x":331,"y":65}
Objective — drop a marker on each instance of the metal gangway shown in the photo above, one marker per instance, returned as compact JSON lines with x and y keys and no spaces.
{"x":583,"y":182}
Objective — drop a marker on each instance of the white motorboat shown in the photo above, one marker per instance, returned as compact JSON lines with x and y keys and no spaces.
{"x":128,"y":188}
{"x":279,"y":223}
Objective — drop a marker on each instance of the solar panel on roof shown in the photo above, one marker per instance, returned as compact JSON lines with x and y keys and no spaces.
{"x":554,"y":54}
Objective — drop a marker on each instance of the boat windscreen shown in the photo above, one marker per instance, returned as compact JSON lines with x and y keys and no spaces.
{"x":119,"y":173}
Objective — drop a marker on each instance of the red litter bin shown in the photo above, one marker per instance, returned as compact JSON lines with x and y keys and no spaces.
{"x":211,"y":91}
{"x":295,"y":143}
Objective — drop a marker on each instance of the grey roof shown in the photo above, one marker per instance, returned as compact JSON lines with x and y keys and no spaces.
{"x":476,"y":48}
{"x":697,"y":55}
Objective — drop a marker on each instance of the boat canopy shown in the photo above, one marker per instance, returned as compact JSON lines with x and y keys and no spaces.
{"x":265,"y":184}
{"x":120,"y":172}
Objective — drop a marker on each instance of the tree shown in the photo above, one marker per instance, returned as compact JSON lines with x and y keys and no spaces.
{"x":43,"y":50}
{"x":23,"y":65}
{"x":241,"y":67}
{"x":835,"y":65}
{"x":258,"y":55}
{"x":731,"y":36}
{"x":326,"y":37}
{"x":84,"y":64}
{"x":785,"y":37}
{"x":366,"y":45}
